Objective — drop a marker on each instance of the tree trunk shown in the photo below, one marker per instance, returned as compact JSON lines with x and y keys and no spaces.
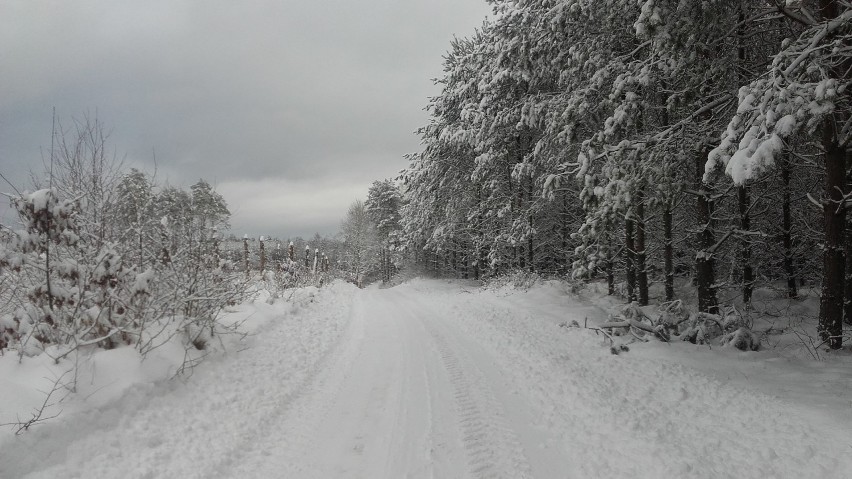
{"x":530,"y":250}
{"x":477,"y":244}
{"x":833,"y":260}
{"x":668,"y":251}
{"x":476,"y":260}
{"x":630,"y":255}
{"x":641,"y":270}
{"x":566,"y":232}
{"x":745,"y":243}
{"x":743,"y":201}
{"x":517,"y":260}
{"x":245,"y":256}
{"x":610,"y":268}
{"x":847,"y":294}
{"x":787,"y":232}
{"x":466,"y":264}
{"x":262,"y":257}
{"x":704,"y":262}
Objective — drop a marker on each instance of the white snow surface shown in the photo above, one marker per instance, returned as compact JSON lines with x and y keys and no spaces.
{"x":439,"y":379}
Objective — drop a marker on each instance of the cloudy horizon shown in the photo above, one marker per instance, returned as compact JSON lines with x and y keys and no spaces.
{"x":291,"y":109}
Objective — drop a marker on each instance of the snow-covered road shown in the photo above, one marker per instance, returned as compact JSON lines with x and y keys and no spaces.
{"x":432,"y":380}
{"x":405,"y":394}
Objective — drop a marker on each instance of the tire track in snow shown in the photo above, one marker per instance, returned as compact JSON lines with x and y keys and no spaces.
{"x":431,"y":397}
{"x":367,"y":414}
{"x":261,"y":440}
{"x":626,"y":416}
{"x":287,"y":451}
{"x":492,"y":448}
{"x":414,"y":422}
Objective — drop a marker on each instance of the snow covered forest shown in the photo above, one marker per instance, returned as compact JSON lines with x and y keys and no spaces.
{"x":647,"y":143}
{"x":622,"y":250}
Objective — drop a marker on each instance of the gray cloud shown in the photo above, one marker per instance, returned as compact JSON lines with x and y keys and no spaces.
{"x":254,"y":96}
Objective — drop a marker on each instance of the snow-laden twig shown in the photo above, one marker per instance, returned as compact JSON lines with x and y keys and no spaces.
{"x":82,"y":344}
{"x":829,"y":28}
{"x":38,"y":415}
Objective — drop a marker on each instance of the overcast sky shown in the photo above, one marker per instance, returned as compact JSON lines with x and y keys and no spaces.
{"x":291,"y":108}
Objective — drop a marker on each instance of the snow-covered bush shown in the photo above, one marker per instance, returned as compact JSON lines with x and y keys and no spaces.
{"x":75,"y":291}
{"x":700,"y":328}
{"x":673,"y":313}
{"x":72,"y":288}
{"x":742,"y":338}
{"x":515,"y":279}
{"x":675,"y":320}
{"x":731,"y":330}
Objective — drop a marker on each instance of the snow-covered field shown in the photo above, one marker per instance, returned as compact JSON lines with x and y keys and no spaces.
{"x":434,"y":379}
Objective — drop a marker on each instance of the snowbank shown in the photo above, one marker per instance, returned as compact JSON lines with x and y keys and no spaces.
{"x":661,"y":410}
{"x":109,"y":383}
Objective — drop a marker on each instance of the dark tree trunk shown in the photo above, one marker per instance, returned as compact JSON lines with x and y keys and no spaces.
{"x":262,"y":257}
{"x":745,"y":243}
{"x":630,"y":257}
{"x":566,"y":232}
{"x":165,"y":255}
{"x":515,"y":262}
{"x":744,"y":203}
{"x":834,"y":261}
{"x":704,"y":262}
{"x":477,"y":259}
{"x":530,"y":250}
{"x":669,"y":251}
{"x":787,"y":233}
{"x":245,"y":256}
{"x":483,"y":265}
{"x":641,"y":271}
{"x":476,"y":273}
{"x":141,"y":251}
{"x":833,"y":258}
{"x":610,"y":273}
{"x":477,"y":251}
{"x":847,"y":293}
{"x":466,"y":264}
{"x":385,"y":266}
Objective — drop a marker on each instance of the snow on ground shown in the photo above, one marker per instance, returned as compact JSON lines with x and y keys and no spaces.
{"x":132,"y":420}
{"x":787,"y":366}
{"x":658,"y":411}
{"x":446,"y":379}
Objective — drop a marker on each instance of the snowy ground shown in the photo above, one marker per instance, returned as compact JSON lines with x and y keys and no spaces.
{"x":439,"y":379}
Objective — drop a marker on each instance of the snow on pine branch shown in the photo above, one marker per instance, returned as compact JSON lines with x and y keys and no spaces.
{"x":805,"y":84}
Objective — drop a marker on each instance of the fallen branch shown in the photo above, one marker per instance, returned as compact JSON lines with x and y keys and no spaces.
{"x":632,"y":323}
